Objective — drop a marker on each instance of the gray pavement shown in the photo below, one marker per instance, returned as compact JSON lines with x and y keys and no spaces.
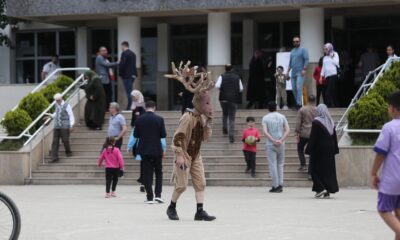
{"x":82,"y":212}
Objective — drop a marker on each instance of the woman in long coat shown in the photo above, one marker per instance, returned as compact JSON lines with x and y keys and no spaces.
{"x":96,"y":100}
{"x":256,"y":88}
{"x":322,"y":148}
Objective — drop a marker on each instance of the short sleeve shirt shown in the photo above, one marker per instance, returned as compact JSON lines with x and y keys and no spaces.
{"x":275,"y":123}
{"x":116,"y":124}
{"x":388,"y":144}
{"x":49,"y":68}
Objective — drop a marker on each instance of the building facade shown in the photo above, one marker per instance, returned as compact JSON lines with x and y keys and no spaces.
{"x":209,"y":33}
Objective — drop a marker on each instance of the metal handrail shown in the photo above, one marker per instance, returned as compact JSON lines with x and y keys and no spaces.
{"x":47,"y":79}
{"x":26,"y":133}
{"x":366,"y":86}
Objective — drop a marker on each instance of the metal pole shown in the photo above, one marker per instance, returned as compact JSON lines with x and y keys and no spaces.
{"x":79,"y":106}
{"x":43,"y":148}
{"x":30,"y":160}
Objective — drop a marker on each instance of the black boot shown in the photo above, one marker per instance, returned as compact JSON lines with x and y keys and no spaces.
{"x":203,"y":216}
{"x":172,"y":214}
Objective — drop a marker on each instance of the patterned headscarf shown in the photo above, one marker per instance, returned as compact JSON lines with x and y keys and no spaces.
{"x":139,"y":99}
{"x":329,"y":46}
{"x":324,"y":117}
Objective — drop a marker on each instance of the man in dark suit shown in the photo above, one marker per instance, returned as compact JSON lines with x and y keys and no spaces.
{"x":150,"y":132}
{"x":127,"y":70}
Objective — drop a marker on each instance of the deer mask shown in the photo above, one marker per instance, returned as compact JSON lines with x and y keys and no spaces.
{"x":197,"y":83}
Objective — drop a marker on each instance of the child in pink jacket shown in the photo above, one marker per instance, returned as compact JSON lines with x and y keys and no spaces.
{"x":114,"y":165}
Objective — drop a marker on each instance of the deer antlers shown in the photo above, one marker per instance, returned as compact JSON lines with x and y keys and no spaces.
{"x":193,"y":81}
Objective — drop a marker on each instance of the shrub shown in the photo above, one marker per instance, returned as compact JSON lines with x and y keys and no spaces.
{"x":34,"y":104}
{"x":16,"y":121}
{"x":383,"y":87}
{"x":370,"y":112}
{"x":62,"y":82}
{"x":393,"y":74}
{"x":49,"y":91}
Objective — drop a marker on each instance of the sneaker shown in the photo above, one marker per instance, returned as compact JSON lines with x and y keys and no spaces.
{"x":108,"y":195}
{"x":253,"y":175}
{"x":142,"y":189}
{"x":147,"y":201}
{"x":203,"y":216}
{"x":69,"y":154}
{"x":278,"y":108}
{"x":231,"y":139}
{"x":272,"y":190}
{"x":113,"y":194}
{"x":327,"y":196}
{"x":302,"y":168}
{"x":159,"y":200}
{"x":285,"y":107}
{"x":279,"y":189}
{"x":172,"y":214}
{"x":320,"y":194}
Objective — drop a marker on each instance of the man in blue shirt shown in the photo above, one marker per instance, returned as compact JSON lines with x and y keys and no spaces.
{"x":298,"y":64}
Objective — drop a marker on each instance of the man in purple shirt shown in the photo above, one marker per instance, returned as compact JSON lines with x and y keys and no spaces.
{"x":387,"y":150}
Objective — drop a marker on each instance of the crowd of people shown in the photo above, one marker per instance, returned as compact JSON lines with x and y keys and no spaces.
{"x":314,"y":130}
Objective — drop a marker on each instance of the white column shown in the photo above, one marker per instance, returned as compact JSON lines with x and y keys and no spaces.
{"x":312,"y":31}
{"x":312,"y":37}
{"x":163,"y":65}
{"x":219,"y":39}
{"x":219,"y":48}
{"x":81,"y":47}
{"x":129,"y":30}
{"x":5,"y":60}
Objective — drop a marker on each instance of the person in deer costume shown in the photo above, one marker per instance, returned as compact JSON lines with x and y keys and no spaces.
{"x":195,"y":126}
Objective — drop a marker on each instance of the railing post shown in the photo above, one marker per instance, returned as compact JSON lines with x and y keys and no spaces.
{"x":79,"y":106}
{"x":30,"y":160}
{"x":43,"y":148}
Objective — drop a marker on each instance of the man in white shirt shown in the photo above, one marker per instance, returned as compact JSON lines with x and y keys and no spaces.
{"x":64,"y":121}
{"x":50,"y":67}
{"x":230,"y":87}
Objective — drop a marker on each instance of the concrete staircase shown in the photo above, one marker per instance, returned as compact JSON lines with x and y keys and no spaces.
{"x":224,"y":163}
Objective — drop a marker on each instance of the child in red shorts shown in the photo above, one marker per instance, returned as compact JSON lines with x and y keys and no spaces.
{"x":250,"y":138}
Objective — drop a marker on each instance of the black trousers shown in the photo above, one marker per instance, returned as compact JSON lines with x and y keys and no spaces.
{"x":63,"y":134}
{"x":118,"y":143}
{"x":151,"y":165}
{"x":250,"y":158}
{"x":111,"y":178}
{"x":300,"y":151}
{"x":321,"y":90}
{"x":228,"y":115}
{"x":331,"y":91}
{"x":108,"y":90}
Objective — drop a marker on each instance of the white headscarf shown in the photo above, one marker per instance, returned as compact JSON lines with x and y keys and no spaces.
{"x":324,"y":117}
{"x":139,"y":99}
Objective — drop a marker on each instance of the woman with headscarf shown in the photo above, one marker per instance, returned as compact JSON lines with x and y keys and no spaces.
{"x":96,"y":100}
{"x":329,"y":71}
{"x":137,"y":108}
{"x":322,"y":148}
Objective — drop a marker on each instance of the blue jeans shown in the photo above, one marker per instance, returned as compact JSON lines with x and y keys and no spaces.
{"x":297,"y":87}
{"x":128,"y":84}
{"x":276,"y":162}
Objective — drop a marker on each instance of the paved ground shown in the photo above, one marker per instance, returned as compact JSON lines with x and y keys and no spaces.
{"x":81,"y":212}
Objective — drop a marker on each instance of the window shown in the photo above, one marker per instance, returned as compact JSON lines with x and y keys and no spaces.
{"x":35,"y":49}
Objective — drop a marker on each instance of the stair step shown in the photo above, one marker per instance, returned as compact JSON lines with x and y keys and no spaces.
{"x":250,"y":182}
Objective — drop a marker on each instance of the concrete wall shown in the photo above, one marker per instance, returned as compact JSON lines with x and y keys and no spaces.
{"x":78,"y":7}
{"x":353,"y":166}
{"x":10,"y":95}
{"x":14,"y":166}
